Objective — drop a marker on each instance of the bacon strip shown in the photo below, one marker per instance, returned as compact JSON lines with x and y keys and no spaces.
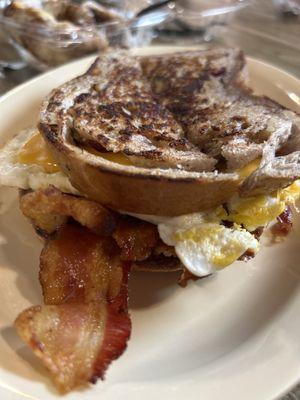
{"x":49,"y":208}
{"x":284,"y":223}
{"x":187,"y":276}
{"x":79,"y":266}
{"x":85,"y":323}
{"x":135,"y":238}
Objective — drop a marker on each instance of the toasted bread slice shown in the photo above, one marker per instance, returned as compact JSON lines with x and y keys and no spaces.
{"x":217,"y":110}
{"x":113,"y":109}
{"x":179,"y":120}
{"x":222,"y":116}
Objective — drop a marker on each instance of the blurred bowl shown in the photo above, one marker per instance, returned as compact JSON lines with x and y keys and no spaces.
{"x":200,"y":14}
{"x":47,"y":44}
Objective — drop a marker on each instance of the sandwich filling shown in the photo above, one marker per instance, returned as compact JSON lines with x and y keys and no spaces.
{"x":209,"y":241}
{"x":204,"y":242}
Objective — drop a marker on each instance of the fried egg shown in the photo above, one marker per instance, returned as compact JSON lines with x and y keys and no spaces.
{"x":205,"y":244}
{"x":202,"y":241}
{"x":291,"y":194}
{"x":253,"y":212}
{"x":26,"y":163}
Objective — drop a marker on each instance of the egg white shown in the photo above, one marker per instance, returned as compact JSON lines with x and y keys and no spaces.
{"x":196,"y":248}
{"x":194,"y":254}
{"x":28,"y":176}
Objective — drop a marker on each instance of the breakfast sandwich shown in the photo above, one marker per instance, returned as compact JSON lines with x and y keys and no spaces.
{"x":156,"y":163}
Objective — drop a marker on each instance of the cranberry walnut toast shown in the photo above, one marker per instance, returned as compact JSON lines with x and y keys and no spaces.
{"x":182,"y":122}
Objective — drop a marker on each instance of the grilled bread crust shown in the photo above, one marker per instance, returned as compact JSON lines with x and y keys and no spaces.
{"x":185,"y":120}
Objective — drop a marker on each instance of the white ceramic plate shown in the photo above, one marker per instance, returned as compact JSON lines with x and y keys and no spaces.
{"x":234,"y":336}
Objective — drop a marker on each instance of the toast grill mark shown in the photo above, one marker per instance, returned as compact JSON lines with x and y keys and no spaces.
{"x":211,"y":104}
{"x":112,"y":106}
{"x":222,"y":116}
{"x":190,"y":111}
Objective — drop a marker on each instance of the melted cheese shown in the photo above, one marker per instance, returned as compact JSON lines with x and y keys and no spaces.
{"x":247,"y":170}
{"x":35,"y":151}
{"x":118,"y":158}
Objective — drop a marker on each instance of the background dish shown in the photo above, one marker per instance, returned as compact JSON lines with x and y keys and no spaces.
{"x":231,"y":336}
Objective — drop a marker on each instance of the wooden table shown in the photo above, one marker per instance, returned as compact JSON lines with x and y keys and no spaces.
{"x":258,"y":30}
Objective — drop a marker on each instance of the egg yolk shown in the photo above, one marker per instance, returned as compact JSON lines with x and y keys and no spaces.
{"x":290,"y":194}
{"x":118,"y":158}
{"x":35,"y":151}
{"x":256,"y":211}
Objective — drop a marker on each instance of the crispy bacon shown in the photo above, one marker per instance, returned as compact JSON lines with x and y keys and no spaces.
{"x":136,"y":238}
{"x":284,"y":223}
{"x":67,"y":339}
{"x":85,"y":323}
{"x":247,"y":256}
{"x":163,"y":249}
{"x":187,"y":276}
{"x":76,"y":342}
{"x":79,"y":266}
{"x":49,"y":208}
{"x":116,"y":336}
